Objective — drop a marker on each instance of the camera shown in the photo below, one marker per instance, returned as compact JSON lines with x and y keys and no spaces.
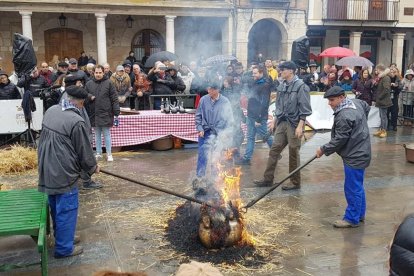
{"x":50,"y":97}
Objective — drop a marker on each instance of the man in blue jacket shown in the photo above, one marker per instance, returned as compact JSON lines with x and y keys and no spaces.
{"x":350,"y":139}
{"x":214,"y":116}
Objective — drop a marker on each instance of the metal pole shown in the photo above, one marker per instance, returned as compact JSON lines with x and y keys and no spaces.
{"x":156,"y":188}
{"x":253,"y":202}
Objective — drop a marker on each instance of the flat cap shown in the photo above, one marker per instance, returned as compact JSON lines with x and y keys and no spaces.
{"x":313,"y":64}
{"x":63,"y":64}
{"x":73,"y":61}
{"x":334,"y":91}
{"x":289,"y":65}
{"x":3,"y":73}
{"x":72,"y":79}
{"x":127,"y":63}
{"x":76,"y":92}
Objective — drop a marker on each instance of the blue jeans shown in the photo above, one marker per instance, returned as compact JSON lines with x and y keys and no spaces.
{"x":251,"y":136}
{"x":354,"y":194}
{"x":205,"y":146}
{"x":64,"y":213}
{"x":98,"y":139}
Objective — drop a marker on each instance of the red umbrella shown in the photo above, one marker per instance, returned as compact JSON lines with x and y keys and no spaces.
{"x":337,"y":52}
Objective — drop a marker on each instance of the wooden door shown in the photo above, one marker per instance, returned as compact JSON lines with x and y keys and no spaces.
{"x":63,"y":42}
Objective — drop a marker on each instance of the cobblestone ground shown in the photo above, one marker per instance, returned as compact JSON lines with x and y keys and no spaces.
{"x":122,"y":226}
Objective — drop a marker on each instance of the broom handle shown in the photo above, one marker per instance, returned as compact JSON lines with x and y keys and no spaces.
{"x":253,"y":202}
{"x":155,"y":188}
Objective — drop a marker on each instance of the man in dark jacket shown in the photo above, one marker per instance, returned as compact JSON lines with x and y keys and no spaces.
{"x":102,"y":106}
{"x":292,"y":108}
{"x":62,"y":70}
{"x":69,"y":81}
{"x":83,"y":59}
{"x":257,"y":113}
{"x":74,"y":70}
{"x":33,"y":83}
{"x":8,"y":91}
{"x":64,"y":150}
{"x":350,"y":139}
{"x":402,"y":249}
{"x":179,"y":86}
{"x":162,"y":83}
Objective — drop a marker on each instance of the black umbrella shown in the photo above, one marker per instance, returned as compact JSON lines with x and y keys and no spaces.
{"x":218,"y":59}
{"x":160,"y":56}
{"x":24,"y":57}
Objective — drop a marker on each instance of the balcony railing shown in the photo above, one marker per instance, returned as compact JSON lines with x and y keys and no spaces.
{"x":361,"y":10}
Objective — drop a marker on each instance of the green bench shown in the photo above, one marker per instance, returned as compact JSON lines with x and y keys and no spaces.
{"x":25,"y":212}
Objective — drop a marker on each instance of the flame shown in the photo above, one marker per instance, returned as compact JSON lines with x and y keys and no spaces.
{"x":229,"y":183}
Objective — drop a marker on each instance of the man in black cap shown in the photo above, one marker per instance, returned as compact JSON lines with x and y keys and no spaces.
{"x":75,"y":80}
{"x":350,"y":139}
{"x":64,"y":152}
{"x":74,"y":70}
{"x":292,"y":108}
{"x":128,"y":69}
{"x":214,"y":115}
{"x":62,"y":70}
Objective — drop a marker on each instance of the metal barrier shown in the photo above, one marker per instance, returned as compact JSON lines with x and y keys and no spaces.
{"x":407,"y":106}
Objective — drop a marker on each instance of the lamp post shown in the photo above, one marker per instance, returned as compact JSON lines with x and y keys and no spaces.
{"x":129,"y":21}
{"x":62,"y":20}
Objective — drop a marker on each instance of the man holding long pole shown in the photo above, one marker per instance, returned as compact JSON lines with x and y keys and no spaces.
{"x":350,"y":139}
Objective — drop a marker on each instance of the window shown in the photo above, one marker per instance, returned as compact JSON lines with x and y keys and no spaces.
{"x":146,"y":42}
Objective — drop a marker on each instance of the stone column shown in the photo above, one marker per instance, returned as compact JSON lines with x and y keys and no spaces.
{"x":170,"y":41}
{"x":27,"y":23}
{"x":397,"y":49}
{"x":331,"y":40}
{"x":227,"y":37}
{"x":101,"y":37}
{"x":355,"y":42}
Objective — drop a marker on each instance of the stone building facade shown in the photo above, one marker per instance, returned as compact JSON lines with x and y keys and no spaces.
{"x":191,"y":29}
{"x":381,"y":30}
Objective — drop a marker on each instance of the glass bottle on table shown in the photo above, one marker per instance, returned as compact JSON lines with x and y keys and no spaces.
{"x":167,"y":106}
{"x":162,"y":107}
{"x":181,"y":107}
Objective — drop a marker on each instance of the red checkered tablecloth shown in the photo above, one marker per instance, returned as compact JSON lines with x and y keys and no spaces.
{"x":151,"y":125}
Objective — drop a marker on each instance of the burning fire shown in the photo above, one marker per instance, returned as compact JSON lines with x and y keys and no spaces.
{"x":223,"y":225}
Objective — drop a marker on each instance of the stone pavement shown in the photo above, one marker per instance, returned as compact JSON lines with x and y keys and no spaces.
{"x":115,"y":238}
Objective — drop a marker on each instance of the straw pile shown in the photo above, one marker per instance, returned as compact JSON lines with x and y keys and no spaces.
{"x":165,"y":232}
{"x":17,"y":159}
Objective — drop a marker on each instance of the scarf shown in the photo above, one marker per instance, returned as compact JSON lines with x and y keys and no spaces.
{"x":346,"y":103}
{"x":66,"y":104}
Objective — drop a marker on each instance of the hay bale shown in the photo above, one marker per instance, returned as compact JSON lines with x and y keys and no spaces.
{"x":17,"y":159}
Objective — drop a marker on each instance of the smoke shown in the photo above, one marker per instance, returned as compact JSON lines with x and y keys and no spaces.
{"x":199,"y":37}
{"x":220,"y":144}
